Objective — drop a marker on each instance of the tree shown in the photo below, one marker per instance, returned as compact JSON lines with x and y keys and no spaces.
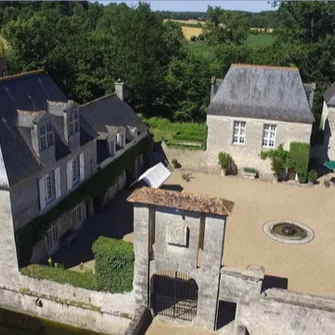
{"x":225,"y":27}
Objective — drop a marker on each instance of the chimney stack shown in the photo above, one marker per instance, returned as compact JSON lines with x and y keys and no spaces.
{"x":119,"y":89}
{"x":2,"y":67}
{"x":213,"y":82}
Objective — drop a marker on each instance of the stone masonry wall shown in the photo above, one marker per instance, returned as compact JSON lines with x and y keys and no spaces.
{"x":25,"y":195}
{"x":220,"y":136}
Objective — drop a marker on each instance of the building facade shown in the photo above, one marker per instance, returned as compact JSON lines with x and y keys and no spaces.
{"x":51,"y":146}
{"x":328,"y":123}
{"x":257,"y":108}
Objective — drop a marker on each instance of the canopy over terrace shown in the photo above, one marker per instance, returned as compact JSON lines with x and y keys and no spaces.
{"x":330,"y":165}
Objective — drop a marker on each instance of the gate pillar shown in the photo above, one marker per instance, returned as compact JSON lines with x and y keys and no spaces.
{"x":210,"y":276}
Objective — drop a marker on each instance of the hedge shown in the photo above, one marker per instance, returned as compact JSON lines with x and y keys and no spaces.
{"x":114,"y":264}
{"x":95,"y":187}
{"x":183,"y":145}
{"x":189,"y":137}
{"x":165,"y":124}
{"x":299,"y":159}
{"x":78,"y":279}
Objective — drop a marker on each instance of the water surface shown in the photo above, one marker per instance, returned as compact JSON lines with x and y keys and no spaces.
{"x":13,"y":323}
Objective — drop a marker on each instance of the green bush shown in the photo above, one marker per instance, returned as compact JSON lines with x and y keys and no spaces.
{"x":78,"y":279}
{"x":114,"y":264}
{"x":182,"y":145}
{"x":312,"y":176}
{"x":225,"y":160}
{"x":279,"y":158}
{"x":193,"y":39}
{"x":299,"y":159}
{"x":189,"y":137}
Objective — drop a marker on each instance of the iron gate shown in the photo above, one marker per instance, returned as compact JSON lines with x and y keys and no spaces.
{"x":174,"y":294}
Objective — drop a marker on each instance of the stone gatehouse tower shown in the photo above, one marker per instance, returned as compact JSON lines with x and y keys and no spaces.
{"x":178,"y":243}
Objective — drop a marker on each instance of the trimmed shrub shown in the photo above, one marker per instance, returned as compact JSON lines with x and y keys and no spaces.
{"x":201,"y":37}
{"x":299,"y":159}
{"x":193,"y":39}
{"x":78,"y":279}
{"x":114,"y":264}
{"x":189,"y":137}
{"x":312,"y":176}
{"x":225,"y":160}
{"x":250,"y":170}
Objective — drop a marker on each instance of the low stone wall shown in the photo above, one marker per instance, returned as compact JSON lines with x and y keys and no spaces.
{"x":98,"y":311}
{"x":193,"y":160}
{"x":140,"y":323}
{"x":275,"y":311}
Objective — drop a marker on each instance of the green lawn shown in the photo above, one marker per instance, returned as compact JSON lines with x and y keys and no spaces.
{"x":201,"y":47}
{"x":259,"y":40}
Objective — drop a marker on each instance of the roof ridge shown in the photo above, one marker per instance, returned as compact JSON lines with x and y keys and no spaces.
{"x":98,"y":99}
{"x":21,"y":75}
{"x":266,"y":66}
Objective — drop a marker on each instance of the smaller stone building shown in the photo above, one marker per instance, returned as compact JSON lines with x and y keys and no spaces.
{"x":328,"y":123}
{"x":257,"y":108}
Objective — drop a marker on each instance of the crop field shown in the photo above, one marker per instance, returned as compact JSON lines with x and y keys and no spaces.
{"x":191,"y":31}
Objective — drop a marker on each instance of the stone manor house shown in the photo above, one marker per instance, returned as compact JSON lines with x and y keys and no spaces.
{"x":51,"y":145}
{"x":257,"y":108}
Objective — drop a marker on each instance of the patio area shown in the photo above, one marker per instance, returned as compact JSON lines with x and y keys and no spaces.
{"x":307,"y":268}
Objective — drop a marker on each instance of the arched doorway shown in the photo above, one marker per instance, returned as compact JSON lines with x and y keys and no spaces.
{"x":174,"y":294}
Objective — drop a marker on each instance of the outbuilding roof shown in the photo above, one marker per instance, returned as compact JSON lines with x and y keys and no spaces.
{"x":329,"y":96}
{"x":181,"y":200}
{"x":262,"y":92}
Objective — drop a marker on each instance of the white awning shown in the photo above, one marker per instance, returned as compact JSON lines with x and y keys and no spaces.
{"x":155,"y":176}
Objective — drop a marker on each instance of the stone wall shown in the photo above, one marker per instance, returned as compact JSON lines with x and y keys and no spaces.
{"x":193,"y":160}
{"x":275,"y":311}
{"x":220,"y":137}
{"x":140,"y":323}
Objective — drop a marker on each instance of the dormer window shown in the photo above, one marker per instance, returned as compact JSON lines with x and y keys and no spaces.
{"x":73,"y":122}
{"x":121,"y":139}
{"x":111,"y":147}
{"x":45,"y":132}
{"x":133,"y":132}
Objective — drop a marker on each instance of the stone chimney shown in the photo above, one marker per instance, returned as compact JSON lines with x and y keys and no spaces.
{"x":119,"y":89}
{"x":2,"y":67}
{"x":213,"y":82}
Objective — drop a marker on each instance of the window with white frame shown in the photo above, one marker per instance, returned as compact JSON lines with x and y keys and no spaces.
{"x":111,"y":147}
{"x":73,"y":122}
{"x":45,"y":133}
{"x":121,"y":139}
{"x":269,"y":135}
{"x":77,"y":215}
{"x":239,"y":132}
{"x":75,"y":170}
{"x":50,"y":189}
{"x":51,"y":236}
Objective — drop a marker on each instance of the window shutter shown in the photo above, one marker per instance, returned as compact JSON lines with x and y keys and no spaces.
{"x":82,"y":166}
{"x":69,"y":175}
{"x":57,"y":183}
{"x":41,"y":185}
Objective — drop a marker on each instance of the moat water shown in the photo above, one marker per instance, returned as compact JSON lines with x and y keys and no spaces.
{"x":12,"y":323}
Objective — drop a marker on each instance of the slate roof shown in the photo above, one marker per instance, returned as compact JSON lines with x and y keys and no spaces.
{"x":181,"y":200}
{"x":108,"y":111}
{"x":28,"y":92}
{"x":24,"y":97}
{"x":329,"y":96}
{"x":262,"y":92}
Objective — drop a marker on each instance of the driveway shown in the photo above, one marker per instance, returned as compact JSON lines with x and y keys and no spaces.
{"x":305,"y":268}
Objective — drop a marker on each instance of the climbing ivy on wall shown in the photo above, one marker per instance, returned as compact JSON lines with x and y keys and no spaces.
{"x":114,"y":264}
{"x":95,"y":187}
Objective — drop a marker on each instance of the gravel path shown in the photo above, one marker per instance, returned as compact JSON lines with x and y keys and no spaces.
{"x":162,"y":327}
{"x":309,"y":267}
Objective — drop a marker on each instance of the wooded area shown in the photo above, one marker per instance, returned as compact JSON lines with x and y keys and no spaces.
{"x":86,"y":46}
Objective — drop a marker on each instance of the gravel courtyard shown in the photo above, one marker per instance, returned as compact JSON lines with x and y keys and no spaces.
{"x":308,"y":267}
